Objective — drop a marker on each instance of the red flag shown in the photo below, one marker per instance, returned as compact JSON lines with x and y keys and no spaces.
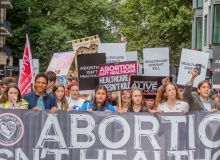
{"x":27,"y":70}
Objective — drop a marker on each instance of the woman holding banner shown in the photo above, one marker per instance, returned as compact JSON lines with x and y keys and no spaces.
{"x":137,"y":101}
{"x":200,"y":101}
{"x":59,"y":92}
{"x":100,"y":102}
{"x":11,"y":98}
{"x":170,"y":101}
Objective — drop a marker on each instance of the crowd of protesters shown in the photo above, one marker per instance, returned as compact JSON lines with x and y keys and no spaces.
{"x":51,"y":95}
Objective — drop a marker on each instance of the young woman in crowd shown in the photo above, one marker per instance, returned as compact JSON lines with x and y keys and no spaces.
{"x":170,"y":101}
{"x":150,"y":102}
{"x":200,"y":101}
{"x":216,"y":98}
{"x":62,"y":103}
{"x":137,"y":101}
{"x":125,"y":101}
{"x":11,"y":98}
{"x":100,"y":102}
{"x":74,"y":96}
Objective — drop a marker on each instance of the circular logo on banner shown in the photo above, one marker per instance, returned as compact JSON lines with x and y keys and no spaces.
{"x":11,"y":129}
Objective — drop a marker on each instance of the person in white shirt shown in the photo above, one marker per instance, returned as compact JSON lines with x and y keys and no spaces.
{"x":74,"y":96}
{"x":170,"y":101}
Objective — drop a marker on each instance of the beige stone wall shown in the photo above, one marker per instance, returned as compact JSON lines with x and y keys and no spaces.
{"x":3,"y":58}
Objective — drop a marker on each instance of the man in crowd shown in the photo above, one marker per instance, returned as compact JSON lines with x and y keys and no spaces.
{"x":40,"y":99}
{"x":51,"y":80}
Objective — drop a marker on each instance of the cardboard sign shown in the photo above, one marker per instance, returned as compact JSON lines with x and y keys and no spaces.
{"x":88,"y":71}
{"x":61,"y":62}
{"x":189,"y":59}
{"x":156,"y":62}
{"x":115,"y":52}
{"x":116,"y":76}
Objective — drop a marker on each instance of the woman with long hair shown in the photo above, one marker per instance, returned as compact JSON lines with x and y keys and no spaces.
{"x":137,"y":101}
{"x":12,"y":99}
{"x":59,"y":92}
{"x":100,"y":102}
{"x":125,"y":101}
{"x":170,"y":101}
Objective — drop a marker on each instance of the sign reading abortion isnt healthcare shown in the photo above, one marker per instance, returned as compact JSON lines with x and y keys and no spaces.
{"x":116,"y":76}
{"x":74,"y":135}
{"x":156,"y":62}
{"x":189,"y":58}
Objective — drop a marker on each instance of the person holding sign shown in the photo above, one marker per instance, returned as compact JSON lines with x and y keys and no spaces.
{"x":170,"y":101}
{"x":59,"y":92}
{"x":137,"y":101}
{"x":100,"y":102}
{"x":200,"y":101}
{"x":11,"y":98}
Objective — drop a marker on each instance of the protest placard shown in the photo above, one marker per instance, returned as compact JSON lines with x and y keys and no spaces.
{"x":115,"y":52}
{"x":156,"y":61}
{"x":115,"y":76}
{"x":131,"y":56}
{"x":189,"y":58}
{"x":61,"y":62}
{"x":88,"y":71}
{"x":216,"y":67}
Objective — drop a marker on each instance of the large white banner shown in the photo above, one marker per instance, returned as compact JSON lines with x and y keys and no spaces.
{"x":61,"y":62}
{"x":115,"y":52}
{"x":187,"y":62}
{"x":131,"y":56}
{"x":156,"y":61}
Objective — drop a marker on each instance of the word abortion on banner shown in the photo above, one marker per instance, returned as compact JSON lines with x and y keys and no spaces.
{"x":86,"y":45}
{"x":115,"y":52}
{"x":216,"y":67}
{"x":148,"y":84}
{"x":61,"y":62}
{"x":78,"y":136}
{"x":156,"y":61}
{"x":189,"y":58}
{"x":116,"y":76}
{"x":88,"y":71}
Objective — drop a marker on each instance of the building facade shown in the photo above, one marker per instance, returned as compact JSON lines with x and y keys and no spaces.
{"x":206,"y":27}
{"x":6,"y":58}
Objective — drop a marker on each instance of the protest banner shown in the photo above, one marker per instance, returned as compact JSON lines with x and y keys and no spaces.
{"x":115,"y":76}
{"x":88,"y":71}
{"x":189,"y":58}
{"x":115,"y":52}
{"x":61,"y":62}
{"x":156,"y":62}
{"x":148,"y":84}
{"x":216,"y":67}
{"x":74,"y":135}
{"x":131,"y":56}
{"x":35,"y":65}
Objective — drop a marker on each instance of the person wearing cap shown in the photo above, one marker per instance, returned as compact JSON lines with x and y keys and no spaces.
{"x":74,"y":96}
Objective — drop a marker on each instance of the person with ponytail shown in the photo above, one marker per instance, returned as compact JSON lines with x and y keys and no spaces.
{"x":100,"y":102}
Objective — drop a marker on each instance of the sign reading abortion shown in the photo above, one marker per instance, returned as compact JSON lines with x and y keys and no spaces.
{"x":115,"y":52}
{"x":148,"y":84}
{"x":32,"y":135}
{"x":189,"y":58}
{"x":88,"y":65}
{"x":61,"y":62}
{"x":116,"y":76}
{"x":156,"y":62}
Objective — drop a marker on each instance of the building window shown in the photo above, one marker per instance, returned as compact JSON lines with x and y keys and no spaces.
{"x":205,"y":30}
{"x":199,"y":3}
{"x":199,"y":33}
{"x":216,"y":24}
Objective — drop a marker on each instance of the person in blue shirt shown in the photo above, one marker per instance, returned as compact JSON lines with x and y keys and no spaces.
{"x":100,"y":102}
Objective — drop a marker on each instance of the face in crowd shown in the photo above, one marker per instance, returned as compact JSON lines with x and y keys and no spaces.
{"x":204,"y":89}
{"x":180,"y":91}
{"x":100,"y":96}
{"x":74,"y":91}
{"x":150,"y":102}
{"x":169,"y":91}
{"x":124,"y":96}
{"x":137,"y":96}
{"x":59,"y":93}
{"x":40,"y":85}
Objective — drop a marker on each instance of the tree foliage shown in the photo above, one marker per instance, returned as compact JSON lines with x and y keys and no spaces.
{"x":145,"y":23}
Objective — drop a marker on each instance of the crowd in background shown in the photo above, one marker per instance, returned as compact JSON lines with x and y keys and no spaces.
{"x":49,"y":94}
